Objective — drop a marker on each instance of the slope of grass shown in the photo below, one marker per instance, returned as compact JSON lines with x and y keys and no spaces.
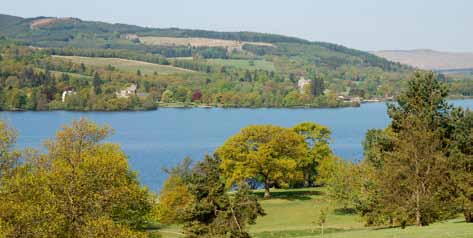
{"x":126,"y":65}
{"x":244,"y":64}
{"x":294,"y":212}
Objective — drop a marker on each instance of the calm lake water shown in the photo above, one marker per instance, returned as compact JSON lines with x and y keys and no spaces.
{"x":162,"y":138}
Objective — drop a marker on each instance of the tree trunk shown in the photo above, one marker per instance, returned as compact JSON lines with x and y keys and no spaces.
{"x":418,"y":214}
{"x":267,"y":193}
{"x":468,"y":216}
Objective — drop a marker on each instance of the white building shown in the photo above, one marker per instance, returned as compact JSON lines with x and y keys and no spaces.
{"x":66,"y":93}
{"x":302,"y":83}
{"x":127,"y":92}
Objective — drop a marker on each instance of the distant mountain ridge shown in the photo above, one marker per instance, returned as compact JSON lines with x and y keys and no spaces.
{"x":430,"y":59}
{"x":50,"y":32}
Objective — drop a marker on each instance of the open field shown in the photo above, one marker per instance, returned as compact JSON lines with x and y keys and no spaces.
{"x":244,"y":64}
{"x":197,"y":42}
{"x":126,"y":65}
{"x":292,"y":213}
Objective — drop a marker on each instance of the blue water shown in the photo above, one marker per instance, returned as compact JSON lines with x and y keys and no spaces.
{"x":162,"y":138}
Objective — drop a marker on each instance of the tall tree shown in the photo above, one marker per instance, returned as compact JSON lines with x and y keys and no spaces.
{"x":97,"y":83}
{"x":413,"y":176}
{"x":461,"y":161}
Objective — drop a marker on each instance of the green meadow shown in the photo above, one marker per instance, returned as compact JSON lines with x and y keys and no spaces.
{"x":244,"y":64}
{"x":294,"y":212}
{"x":126,"y":65}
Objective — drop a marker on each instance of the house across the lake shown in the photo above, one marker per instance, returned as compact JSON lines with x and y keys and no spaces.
{"x":127,"y":92}
{"x":67,"y":92}
{"x":302,"y":83}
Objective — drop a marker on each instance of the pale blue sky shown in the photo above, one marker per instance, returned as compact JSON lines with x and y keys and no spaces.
{"x":362,"y":24}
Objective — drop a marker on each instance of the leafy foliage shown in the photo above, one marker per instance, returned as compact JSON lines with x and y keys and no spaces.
{"x":204,"y":205}
{"x":79,"y":188}
{"x":269,"y":153}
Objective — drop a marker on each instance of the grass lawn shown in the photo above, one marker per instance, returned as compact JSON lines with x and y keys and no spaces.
{"x":293,"y":213}
{"x":126,"y":65}
{"x":244,"y":64}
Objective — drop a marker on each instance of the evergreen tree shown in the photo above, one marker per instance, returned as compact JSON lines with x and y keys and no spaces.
{"x":412,"y":175}
{"x":97,"y":83}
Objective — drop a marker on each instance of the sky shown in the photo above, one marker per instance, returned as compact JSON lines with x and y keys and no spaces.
{"x":360,"y":24}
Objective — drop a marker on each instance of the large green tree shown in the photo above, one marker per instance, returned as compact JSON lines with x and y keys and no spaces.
{"x":268,"y":153}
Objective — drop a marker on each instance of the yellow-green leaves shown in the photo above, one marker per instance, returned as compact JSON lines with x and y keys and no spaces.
{"x":79,"y":188}
{"x":268,"y":152}
{"x":174,"y":200}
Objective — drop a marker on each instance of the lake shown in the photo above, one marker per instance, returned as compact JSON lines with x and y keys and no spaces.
{"x":162,"y":138}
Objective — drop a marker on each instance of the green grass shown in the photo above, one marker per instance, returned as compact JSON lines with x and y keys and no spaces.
{"x":293,"y":212}
{"x":244,"y":64}
{"x":126,"y":65}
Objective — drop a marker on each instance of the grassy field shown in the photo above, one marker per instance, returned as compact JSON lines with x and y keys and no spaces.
{"x":197,"y":42}
{"x":292,"y":213}
{"x":244,"y":64}
{"x":126,"y":65}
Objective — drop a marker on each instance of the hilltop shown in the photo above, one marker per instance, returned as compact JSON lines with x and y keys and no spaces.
{"x":73,"y":32}
{"x":429,"y":59}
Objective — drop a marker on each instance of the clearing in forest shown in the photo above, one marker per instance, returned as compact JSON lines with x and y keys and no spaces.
{"x":198,"y":42}
{"x":126,"y":65}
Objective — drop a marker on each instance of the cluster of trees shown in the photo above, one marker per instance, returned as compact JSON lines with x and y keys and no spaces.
{"x":109,"y":53}
{"x":31,"y":80}
{"x":213,"y":198}
{"x":79,"y":187}
{"x":419,"y":169}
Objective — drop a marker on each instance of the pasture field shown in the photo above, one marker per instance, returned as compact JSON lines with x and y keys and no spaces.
{"x":197,"y":42}
{"x":244,"y":64}
{"x":126,"y":65}
{"x":294,"y":212}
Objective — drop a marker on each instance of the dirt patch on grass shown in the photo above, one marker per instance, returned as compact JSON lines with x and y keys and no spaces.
{"x":49,"y":21}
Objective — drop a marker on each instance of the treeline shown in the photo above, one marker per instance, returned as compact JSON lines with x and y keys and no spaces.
{"x":82,"y":187}
{"x":108,"y":53}
{"x":30,"y":79}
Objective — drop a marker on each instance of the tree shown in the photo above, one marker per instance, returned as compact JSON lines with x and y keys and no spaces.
{"x":97,"y":83}
{"x":412,"y":176}
{"x":78,"y":187}
{"x":322,"y":219}
{"x":197,"y":95}
{"x":167,"y":96}
{"x":208,"y":210}
{"x":317,"y":86}
{"x":8,"y":157}
{"x":340,"y":178}
{"x":461,"y":161}
{"x":175,"y":200}
{"x":268,"y":153}
{"x":317,"y":138}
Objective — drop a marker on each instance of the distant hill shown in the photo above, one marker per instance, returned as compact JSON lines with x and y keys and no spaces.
{"x":430,"y":59}
{"x":48,"y":32}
